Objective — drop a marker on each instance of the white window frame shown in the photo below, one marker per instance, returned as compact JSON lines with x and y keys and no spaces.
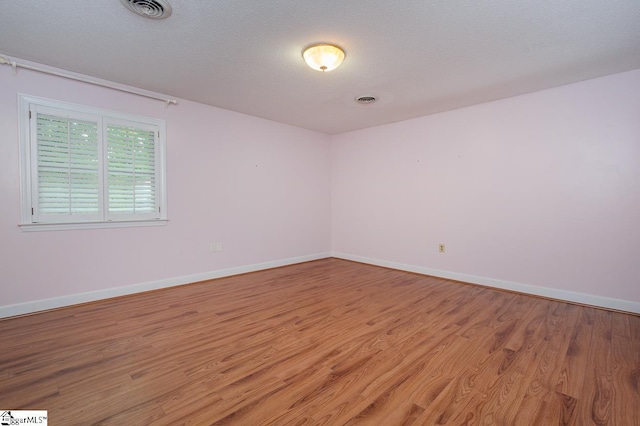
{"x":28,"y":166}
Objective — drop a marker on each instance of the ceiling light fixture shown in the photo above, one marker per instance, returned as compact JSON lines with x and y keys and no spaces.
{"x":323,"y":57}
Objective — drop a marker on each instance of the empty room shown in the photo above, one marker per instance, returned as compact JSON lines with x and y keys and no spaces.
{"x":320,"y":212}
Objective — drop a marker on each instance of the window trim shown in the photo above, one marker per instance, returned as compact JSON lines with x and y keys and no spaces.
{"x":26,"y":165}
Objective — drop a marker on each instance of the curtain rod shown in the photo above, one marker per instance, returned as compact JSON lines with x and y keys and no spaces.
{"x":6,"y":61}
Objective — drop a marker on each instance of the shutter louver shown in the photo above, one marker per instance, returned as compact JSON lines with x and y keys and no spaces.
{"x":131,"y":173}
{"x":68,"y":169}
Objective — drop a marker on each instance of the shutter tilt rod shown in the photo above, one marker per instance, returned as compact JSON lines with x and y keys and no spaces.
{"x":167,"y":101}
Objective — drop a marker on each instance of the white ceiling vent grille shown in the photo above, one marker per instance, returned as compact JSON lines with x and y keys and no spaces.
{"x":365,"y":100}
{"x":154,"y":9}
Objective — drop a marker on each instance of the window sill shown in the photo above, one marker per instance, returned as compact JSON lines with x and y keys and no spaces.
{"x":34,"y":227}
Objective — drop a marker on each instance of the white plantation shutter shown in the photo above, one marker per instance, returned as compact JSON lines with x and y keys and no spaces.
{"x":67,"y":169}
{"x":131,"y":170}
{"x":84,"y":165}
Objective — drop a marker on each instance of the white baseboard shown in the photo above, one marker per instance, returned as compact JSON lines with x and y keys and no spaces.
{"x":569,"y":296}
{"x":74,"y":299}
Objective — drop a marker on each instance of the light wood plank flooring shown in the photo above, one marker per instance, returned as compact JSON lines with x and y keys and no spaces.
{"x":326,"y":342}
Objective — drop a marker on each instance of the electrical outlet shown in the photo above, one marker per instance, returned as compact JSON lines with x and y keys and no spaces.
{"x":441,"y":248}
{"x":215,"y":247}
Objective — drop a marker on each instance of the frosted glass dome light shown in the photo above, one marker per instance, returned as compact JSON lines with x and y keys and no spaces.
{"x":323,"y":57}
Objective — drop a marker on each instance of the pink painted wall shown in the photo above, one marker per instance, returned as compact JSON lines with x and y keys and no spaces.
{"x":541,"y":189}
{"x":259,"y":187}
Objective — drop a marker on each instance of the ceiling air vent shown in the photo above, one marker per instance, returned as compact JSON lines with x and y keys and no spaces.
{"x":365,"y":100}
{"x":154,"y":9}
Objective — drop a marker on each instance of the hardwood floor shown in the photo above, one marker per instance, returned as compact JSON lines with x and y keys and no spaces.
{"x":326,"y":342}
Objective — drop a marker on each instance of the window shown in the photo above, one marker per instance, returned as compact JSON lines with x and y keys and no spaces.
{"x":85,"y":167}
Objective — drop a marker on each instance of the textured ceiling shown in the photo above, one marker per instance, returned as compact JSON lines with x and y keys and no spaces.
{"x":419,"y":57}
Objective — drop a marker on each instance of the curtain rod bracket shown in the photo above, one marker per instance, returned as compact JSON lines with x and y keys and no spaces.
{"x":8,"y":61}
